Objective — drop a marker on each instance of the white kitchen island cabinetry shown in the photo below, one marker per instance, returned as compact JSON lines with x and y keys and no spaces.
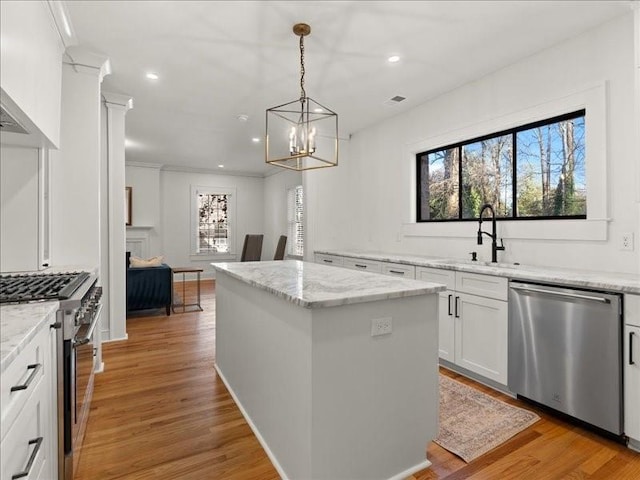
{"x":473,"y":320}
{"x":631,"y":361}
{"x":327,"y":398}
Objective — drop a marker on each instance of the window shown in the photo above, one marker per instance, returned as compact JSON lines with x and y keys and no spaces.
{"x":212,"y":221}
{"x":295,"y":218}
{"x":536,"y":171}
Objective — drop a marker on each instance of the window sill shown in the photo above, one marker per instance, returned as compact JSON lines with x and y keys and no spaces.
{"x":212,"y":256}
{"x":570,"y":230}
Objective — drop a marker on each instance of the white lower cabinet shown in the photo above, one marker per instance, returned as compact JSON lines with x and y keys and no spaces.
{"x":631,"y":362}
{"x":473,"y":327}
{"x":29,"y":419}
{"x":632,"y":383}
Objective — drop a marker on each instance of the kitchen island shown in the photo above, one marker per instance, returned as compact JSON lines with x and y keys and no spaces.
{"x":335,"y":371}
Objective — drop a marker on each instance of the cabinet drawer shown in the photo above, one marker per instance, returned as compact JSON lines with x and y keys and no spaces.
{"x":362,"y":265}
{"x":26,"y":372}
{"x":28,"y":441}
{"x":328,"y":259}
{"x":399,"y":270}
{"x":437,"y":275}
{"x":482,"y":285}
{"x":632,"y":309}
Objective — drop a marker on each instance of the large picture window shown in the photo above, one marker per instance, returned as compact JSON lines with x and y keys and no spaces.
{"x":535,"y":171}
{"x":212,"y":220}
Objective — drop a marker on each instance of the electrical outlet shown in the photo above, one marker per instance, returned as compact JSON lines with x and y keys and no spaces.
{"x":626,"y":242}
{"x":381,"y":326}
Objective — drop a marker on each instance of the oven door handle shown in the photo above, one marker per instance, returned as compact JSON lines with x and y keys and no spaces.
{"x":86,"y":338}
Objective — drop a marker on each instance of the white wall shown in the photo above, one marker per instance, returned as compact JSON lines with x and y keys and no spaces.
{"x":275,"y":209}
{"x":18,"y":208}
{"x":373,"y":184}
{"x":162,"y":200}
{"x":146,"y":205}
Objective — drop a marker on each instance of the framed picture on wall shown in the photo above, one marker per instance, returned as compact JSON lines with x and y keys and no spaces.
{"x":127,"y":205}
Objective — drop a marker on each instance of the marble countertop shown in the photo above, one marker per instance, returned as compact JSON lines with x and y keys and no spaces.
{"x":310,"y":285}
{"x":19,"y":324}
{"x":617,"y":282}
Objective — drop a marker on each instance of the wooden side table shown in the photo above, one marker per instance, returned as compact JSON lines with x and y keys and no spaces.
{"x":184,"y":305}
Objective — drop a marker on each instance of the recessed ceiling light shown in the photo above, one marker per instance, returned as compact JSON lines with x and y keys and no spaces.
{"x":243,"y":117}
{"x":393,"y":59}
{"x":220,"y":166}
{"x":152,"y":76}
{"x":318,"y":110}
{"x":255,"y":139}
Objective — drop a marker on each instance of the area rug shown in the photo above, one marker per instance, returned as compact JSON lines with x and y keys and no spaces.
{"x":472,"y":422}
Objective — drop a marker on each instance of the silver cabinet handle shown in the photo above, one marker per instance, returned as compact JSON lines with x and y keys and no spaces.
{"x":457,"y":314}
{"x":35,"y":368}
{"x":396,"y":271}
{"x":360,"y":266}
{"x":561,"y":294}
{"x":450,"y":297}
{"x":327,"y":261}
{"x":32,"y":458}
{"x":631,"y":334}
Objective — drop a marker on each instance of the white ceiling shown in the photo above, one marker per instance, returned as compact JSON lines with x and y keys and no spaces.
{"x":220,"y":59}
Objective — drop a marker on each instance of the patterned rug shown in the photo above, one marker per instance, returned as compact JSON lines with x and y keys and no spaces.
{"x":472,"y":422}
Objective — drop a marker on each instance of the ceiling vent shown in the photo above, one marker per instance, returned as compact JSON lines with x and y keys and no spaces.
{"x":10,"y":124}
{"x":395,"y":100}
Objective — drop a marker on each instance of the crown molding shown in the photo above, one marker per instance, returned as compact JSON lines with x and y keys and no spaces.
{"x":117,"y":100}
{"x":210,"y":171}
{"x":157,"y":166}
{"x":86,"y":61}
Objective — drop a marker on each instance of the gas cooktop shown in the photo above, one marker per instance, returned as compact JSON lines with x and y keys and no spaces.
{"x":22,"y":288}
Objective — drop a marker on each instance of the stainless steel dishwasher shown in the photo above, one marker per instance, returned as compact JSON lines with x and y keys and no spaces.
{"x":565,"y":351}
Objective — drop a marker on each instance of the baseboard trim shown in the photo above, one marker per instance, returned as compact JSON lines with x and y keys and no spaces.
{"x":399,"y":476}
{"x":255,"y":430}
{"x":122,"y":339}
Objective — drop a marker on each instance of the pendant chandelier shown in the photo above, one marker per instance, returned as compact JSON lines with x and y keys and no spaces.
{"x":302,"y":134}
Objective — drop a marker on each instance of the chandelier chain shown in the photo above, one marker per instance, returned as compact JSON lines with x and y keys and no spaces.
{"x":303,"y":94}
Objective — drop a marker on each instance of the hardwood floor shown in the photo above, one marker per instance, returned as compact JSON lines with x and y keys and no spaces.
{"x":159,"y":411}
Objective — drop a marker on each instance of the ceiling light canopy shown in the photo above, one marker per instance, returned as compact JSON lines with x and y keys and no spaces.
{"x":152,"y":76}
{"x":393,"y":59}
{"x":302,"y":134}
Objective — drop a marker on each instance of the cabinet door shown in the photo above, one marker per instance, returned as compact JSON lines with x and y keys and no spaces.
{"x":446,"y":326}
{"x":632,"y":382}
{"x":481,"y":336}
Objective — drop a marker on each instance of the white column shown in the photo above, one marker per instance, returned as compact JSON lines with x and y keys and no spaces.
{"x":75,"y":167}
{"x":113,"y":220}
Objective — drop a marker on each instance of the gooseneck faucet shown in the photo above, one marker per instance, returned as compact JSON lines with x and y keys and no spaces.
{"x":493,"y":235}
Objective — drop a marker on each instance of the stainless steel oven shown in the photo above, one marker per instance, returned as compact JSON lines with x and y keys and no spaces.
{"x":79,"y":297}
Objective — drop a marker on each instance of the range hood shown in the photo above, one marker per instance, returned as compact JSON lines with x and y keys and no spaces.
{"x":10,"y":124}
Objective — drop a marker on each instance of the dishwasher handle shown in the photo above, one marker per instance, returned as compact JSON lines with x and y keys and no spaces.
{"x":561,"y":294}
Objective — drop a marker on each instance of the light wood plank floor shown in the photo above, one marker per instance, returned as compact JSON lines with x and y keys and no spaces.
{"x":160,"y":412}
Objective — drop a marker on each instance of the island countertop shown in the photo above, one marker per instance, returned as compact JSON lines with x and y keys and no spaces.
{"x":310,"y":285}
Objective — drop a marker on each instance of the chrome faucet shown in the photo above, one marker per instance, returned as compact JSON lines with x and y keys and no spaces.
{"x":493,"y":235}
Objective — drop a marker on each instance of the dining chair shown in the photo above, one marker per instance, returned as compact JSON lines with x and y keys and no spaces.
{"x":282,"y":243}
{"x":252,"y":248}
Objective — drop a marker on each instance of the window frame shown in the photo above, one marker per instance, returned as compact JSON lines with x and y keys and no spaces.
{"x":195,"y":220}
{"x":510,"y":131}
{"x":291,"y":196}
